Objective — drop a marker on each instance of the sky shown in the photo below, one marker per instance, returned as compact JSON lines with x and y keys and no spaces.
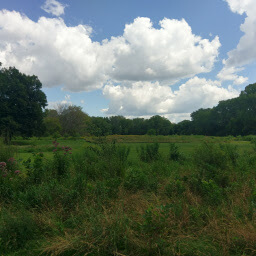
{"x":135,"y":58}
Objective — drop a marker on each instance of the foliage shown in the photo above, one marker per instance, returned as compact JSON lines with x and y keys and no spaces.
{"x":21,"y":104}
{"x":174,"y":154}
{"x":230,"y":117}
{"x":73,"y":120}
{"x":149,"y":152}
{"x":101,"y":201}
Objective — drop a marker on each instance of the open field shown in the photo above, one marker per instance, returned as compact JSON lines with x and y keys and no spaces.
{"x":186,"y":144}
{"x":187,"y":195}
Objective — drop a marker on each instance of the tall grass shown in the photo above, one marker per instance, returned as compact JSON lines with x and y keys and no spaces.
{"x":97,"y":202}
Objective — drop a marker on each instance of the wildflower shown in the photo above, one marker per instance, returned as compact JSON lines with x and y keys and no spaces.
{"x":2,"y":164}
{"x":54,"y":150}
{"x":17,"y":172}
{"x":11,"y":159}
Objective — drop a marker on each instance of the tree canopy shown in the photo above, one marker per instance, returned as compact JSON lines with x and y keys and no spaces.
{"x":21,"y":104}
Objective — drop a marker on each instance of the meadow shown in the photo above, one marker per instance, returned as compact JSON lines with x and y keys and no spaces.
{"x":128,"y":195}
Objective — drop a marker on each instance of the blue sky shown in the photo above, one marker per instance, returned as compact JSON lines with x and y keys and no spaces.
{"x":133,"y":58}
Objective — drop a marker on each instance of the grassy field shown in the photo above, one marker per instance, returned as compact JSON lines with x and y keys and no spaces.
{"x":186,"y":144}
{"x":128,"y":195}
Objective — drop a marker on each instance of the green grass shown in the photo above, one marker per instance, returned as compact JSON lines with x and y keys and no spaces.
{"x":186,"y":144}
{"x":96,"y":201}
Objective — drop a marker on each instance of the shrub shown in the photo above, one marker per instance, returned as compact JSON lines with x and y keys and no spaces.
{"x":106,"y":160}
{"x":175,"y":188}
{"x":114,"y":157}
{"x":35,"y":168}
{"x":137,"y":179}
{"x":209,"y":157}
{"x":214,"y":161}
{"x":174,"y":153}
{"x":61,"y":159}
{"x":149,"y":152}
{"x":207,"y":189}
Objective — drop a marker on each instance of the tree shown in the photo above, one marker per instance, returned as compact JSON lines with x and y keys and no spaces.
{"x":73,"y":120}
{"x":183,"y":128}
{"x":21,"y":104}
{"x":139,"y":126}
{"x":99,"y":126}
{"x":202,"y":121}
{"x":120,"y":125}
{"x":161,"y":125}
{"x":52,"y":125}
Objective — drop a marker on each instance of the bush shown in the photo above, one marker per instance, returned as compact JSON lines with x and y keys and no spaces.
{"x":175,"y":188}
{"x":209,"y":190}
{"x":137,"y":179}
{"x":104,"y":161}
{"x":149,"y":153}
{"x":215,"y":161}
{"x":35,"y":168}
{"x":61,"y":159}
{"x":174,"y":153}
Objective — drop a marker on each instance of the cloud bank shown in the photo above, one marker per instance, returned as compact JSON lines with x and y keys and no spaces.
{"x":147,"y":98}
{"x":134,"y":70}
{"x":62,"y":55}
{"x":245,"y":51}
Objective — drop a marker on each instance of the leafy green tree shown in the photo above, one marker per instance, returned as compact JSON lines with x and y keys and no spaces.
{"x":99,"y":126}
{"x":52,"y":125}
{"x":120,"y":125}
{"x":235,"y":116}
{"x":202,"y":123}
{"x":73,"y":120}
{"x":21,"y":104}
{"x":160,"y":124}
{"x":183,"y":128}
{"x":138,"y":127}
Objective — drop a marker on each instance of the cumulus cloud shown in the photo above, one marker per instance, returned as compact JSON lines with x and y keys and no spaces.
{"x":67,"y":56}
{"x":147,"y":98}
{"x":245,"y":52}
{"x":230,"y":73}
{"x":169,"y":53}
{"x":54,"y":7}
{"x":56,"y":53}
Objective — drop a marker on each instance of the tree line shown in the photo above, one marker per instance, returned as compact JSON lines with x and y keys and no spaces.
{"x":235,"y":116}
{"x":22,"y":112}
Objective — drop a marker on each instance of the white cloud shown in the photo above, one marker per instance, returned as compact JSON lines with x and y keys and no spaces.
{"x":166,"y":54}
{"x":67,"y":56}
{"x":245,"y":52}
{"x":147,"y":98}
{"x":176,"y":118}
{"x":230,"y":74}
{"x":57,"y":104}
{"x":54,"y":7}
{"x":57,"y":54}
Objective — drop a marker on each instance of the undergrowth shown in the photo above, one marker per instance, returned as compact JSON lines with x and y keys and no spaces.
{"x":97,"y":202}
